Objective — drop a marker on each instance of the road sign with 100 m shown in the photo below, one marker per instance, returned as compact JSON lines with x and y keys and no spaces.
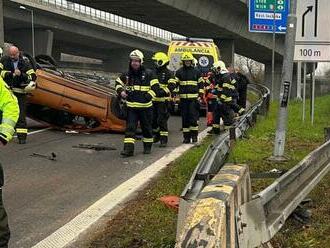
{"x":261,"y":15}
{"x":313,"y":31}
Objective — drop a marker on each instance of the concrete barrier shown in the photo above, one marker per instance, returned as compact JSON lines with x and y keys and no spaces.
{"x":210,"y":220}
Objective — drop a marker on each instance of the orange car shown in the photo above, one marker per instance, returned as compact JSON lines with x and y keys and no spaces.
{"x":68,"y":103}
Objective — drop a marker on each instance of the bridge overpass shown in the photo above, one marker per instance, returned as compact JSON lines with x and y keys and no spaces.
{"x":75,"y":29}
{"x":61,"y":29}
{"x":226,"y":21}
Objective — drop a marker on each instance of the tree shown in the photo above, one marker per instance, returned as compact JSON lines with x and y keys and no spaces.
{"x":253,"y":69}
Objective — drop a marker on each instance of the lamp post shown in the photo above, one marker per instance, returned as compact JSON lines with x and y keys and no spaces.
{"x":32,"y":26}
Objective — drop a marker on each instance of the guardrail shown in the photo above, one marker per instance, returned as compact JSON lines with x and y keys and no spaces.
{"x":216,"y":154}
{"x":106,"y":18}
{"x":266,"y":213}
{"x":223,"y":213}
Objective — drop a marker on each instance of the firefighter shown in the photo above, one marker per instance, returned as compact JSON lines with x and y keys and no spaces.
{"x":9,"y":114}
{"x":242,"y":81}
{"x":191,"y":90}
{"x":20,"y":76}
{"x":138,"y":87}
{"x":225,"y":91}
{"x":161,"y":104}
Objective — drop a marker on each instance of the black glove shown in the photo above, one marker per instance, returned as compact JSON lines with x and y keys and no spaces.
{"x":148,"y":97}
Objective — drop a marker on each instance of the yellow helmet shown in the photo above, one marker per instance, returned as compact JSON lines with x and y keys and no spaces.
{"x":160,"y":58}
{"x":136,"y":54}
{"x":187,"y":56}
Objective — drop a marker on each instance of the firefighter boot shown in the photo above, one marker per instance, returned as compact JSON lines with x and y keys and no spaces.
{"x":21,"y":138}
{"x":163,"y":141}
{"x":186,"y":138}
{"x":215,"y":129}
{"x":156,"y":137}
{"x":128,"y":150}
{"x":194,"y":136}
{"x":147,"y":147}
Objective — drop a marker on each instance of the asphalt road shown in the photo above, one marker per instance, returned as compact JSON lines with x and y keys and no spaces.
{"x":42,"y":195}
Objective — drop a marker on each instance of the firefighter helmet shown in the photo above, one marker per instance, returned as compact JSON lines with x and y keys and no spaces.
{"x":219,"y":65}
{"x":1,"y":52}
{"x":136,"y":54}
{"x":186,"y":56}
{"x":160,"y":59}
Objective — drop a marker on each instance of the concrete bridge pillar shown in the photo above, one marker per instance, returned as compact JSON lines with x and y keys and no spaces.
{"x":227,"y":50}
{"x":277,"y":77}
{"x":118,"y":60}
{"x":278,"y":74}
{"x":23,"y":39}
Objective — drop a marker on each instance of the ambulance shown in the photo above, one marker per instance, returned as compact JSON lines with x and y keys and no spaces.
{"x":205,"y":52}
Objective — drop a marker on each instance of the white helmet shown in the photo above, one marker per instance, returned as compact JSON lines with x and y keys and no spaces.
{"x":219,"y":65}
{"x":30,"y":87}
{"x":1,"y":51}
{"x":137,"y":54}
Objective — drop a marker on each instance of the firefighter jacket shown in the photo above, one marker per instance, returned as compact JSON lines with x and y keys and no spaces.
{"x":167,"y":82}
{"x":16,"y":83}
{"x":9,"y":112}
{"x":141,"y":87}
{"x":225,"y":87}
{"x":190,"y":82}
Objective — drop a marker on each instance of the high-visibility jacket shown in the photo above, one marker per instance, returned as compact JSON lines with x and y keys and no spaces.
{"x":16,"y":83}
{"x":9,"y":112}
{"x":141,"y":87}
{"x":190,"y":82}
{"x":167,"y":82}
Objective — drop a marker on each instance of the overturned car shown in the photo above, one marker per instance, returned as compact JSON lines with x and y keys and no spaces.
{"x":69,"y":102}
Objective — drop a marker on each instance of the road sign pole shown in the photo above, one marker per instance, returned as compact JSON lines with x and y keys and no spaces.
{"x":304,"y":92}
{"x":299,"y":80}
{"x":273,"y":49}
{"x":287,"y":71}
{"x":312,"y":94}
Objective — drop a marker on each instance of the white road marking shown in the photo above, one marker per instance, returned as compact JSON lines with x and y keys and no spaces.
{"x":70,"y":231}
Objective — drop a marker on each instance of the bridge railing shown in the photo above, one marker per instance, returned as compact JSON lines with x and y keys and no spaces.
{"x":107,"y":18}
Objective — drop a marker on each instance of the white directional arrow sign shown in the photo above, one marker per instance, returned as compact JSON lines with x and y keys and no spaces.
{"x":281,"y":28}
{"x":313,"y":31}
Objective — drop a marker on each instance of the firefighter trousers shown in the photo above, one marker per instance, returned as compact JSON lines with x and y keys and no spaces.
{"x":224,"y":111}
{"x":160,"y":119}
{"x":135,"y":116}
{"x":190,"y":116}
{"x":242,"y":92}
{"x":4,"y":228}
{"x":21,"y":125}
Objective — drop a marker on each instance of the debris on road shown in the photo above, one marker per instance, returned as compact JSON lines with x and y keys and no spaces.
{"x":51,"y":157}
{"x":71,"y":132}
{"x":171,"y":201}
{"x":95,"y":147}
